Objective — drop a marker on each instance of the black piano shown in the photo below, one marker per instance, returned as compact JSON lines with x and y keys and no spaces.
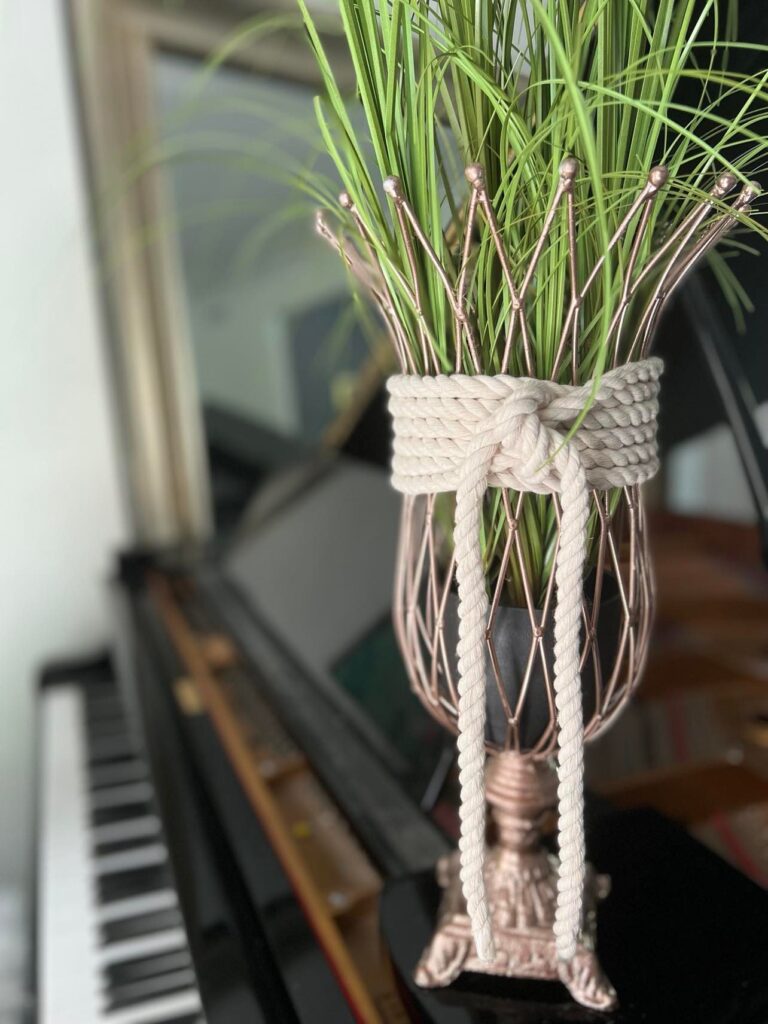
{"x":241,"y":804}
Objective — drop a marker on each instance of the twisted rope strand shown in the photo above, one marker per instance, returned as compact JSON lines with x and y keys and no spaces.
{"x":473,"y":604}
{"x":569,"y":572}
{"x":464,"y":434}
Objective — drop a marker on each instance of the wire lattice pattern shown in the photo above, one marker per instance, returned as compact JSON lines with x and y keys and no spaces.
{"x":617,"y":602}
{"x":648,"y":277}
{"x":424,"y":593}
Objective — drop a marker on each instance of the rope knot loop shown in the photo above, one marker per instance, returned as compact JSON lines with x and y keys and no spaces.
{"x":465,"y":434}
{"x":439,"y":421}
{"x":514,"y":431}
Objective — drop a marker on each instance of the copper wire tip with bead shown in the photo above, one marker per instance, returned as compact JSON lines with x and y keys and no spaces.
{"x":568,"y":170}
{"x":725,"y":183}
{"x":393,"y":187}
{"x":657,"y":177}
{"x":748,"y":194}
{"x":475,"y":175}
{"x":322,"y":227}
{"x":686,"y":244}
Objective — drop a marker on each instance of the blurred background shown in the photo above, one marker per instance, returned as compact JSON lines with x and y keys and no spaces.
{"x":172,"y":332}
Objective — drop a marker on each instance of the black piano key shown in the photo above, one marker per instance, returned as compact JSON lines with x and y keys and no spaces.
{"x":106,"y":720}
{"x":111,"y":815}
{"x":108,"y":751}
{"x":141,"y":924}
{"x":106,"y":728}
{"x":108,"y":703}
{"x":117,"y":774}
{"x":103,"y":691}
{"x":187,"y":1018}
{"x":104,"y":710}
{"x":109,"y":737}
{"x":130,"y":971}
{"x":133,"y":883}
{"x":150,"y":988}
{"x":119,"y":846}
{"x":105,"y":725}
{"x":119,"y":796}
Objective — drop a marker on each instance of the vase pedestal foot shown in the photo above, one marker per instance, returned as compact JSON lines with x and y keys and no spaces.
{"x":521,"y":882}
{"x":677,"y":938}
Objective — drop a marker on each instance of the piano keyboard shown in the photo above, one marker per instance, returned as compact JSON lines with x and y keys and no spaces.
{"x":111,"y":940}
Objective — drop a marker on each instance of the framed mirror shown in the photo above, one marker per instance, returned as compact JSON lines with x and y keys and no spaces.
{"x":233,"y":336}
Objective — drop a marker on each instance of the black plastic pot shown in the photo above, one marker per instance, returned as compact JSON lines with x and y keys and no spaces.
{"x":512,"y":638}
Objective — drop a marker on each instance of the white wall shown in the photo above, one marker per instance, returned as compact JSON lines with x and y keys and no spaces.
{"x":61,"y":507}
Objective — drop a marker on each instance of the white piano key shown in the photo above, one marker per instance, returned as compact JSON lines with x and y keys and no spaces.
{"x":147,"y":945}
{"x":123,"y":831}
{"x":157,"y":1011}
{"x":67,"y":989}
{"x":129,"y":860}
{"x":119,"y":796}
{"x":132,"y":906}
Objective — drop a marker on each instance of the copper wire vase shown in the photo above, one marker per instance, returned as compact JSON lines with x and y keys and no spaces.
{"x":617,"y":602}
{"x":617,"y":608}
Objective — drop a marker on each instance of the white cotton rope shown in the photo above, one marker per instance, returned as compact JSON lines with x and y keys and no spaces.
{"x":465,"y":434}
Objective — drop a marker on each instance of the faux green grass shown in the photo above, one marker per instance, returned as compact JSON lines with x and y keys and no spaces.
{"x":517,"y":86}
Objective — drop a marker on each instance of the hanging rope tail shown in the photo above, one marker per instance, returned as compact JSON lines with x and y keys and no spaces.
{"x":465,"y":434}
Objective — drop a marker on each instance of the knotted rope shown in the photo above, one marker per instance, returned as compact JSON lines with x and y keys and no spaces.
{"x":465,"y":434}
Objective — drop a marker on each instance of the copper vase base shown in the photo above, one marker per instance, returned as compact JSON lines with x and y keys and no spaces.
{"x":521,"y":882}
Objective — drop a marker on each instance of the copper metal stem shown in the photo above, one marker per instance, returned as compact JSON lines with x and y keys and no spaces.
{"x":522,"y":883}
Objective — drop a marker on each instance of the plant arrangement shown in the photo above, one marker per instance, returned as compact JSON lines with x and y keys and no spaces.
{"x":531,"y":182}
{"x":514,"y":89}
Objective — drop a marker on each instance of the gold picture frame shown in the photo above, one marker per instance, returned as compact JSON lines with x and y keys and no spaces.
{"x":114,"y":43}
